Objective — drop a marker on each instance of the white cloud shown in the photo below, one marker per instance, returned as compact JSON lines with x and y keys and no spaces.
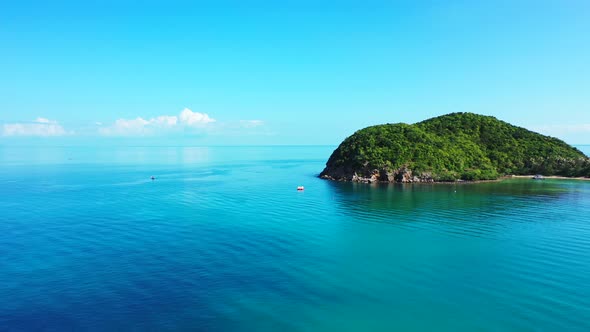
{"x":564,"y":129}
{"x":191,"y":118}
{"x":141,"y":126}
{"x":123,"y":127}
{"x":44,"y":120}
{"x":251,"y":123}
{"x":165,"y":121}
{"x":40,"y":127}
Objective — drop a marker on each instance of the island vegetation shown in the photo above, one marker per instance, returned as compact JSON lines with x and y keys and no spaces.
{"x":452,"y":147}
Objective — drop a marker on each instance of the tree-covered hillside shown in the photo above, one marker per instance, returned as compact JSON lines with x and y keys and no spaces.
{"x":456,"y":146}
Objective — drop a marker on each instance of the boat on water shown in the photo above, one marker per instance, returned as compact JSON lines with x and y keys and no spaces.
{"x":538,"y":177}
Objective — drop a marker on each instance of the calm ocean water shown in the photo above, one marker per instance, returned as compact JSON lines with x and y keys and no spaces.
{"x":223,"y":241}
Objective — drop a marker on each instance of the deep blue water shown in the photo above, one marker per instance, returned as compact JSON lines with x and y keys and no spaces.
{"x":223,"y":241}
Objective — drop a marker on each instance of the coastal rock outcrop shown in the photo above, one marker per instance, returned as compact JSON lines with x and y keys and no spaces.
{"x":401,"y":175}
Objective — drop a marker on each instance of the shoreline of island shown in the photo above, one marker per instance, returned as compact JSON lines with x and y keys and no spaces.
{"x":548,"y":177}
{"x":459,"y":181}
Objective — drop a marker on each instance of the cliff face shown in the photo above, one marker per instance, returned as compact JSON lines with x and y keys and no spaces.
{"x":458,"y":146}
{"x":401,"y":175}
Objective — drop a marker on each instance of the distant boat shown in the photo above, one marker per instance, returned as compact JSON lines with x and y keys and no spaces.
{"x":153,"y":178}
{"x":300,"y":188}
{"x":538,"y":177}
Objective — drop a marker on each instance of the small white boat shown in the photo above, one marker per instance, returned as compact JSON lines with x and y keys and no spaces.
{"x":538,"y":177}
{"x":300,"y":188}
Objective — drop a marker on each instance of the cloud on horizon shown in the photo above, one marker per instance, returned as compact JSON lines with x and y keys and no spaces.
{"x":556,"y":130}
{"x":251,"y":123}
{"x":39,"y":127}
{"x":164,"y":123}
{"x":186,"y":122}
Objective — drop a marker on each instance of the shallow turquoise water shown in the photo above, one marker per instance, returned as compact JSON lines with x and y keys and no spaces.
{"x":223,"y":241}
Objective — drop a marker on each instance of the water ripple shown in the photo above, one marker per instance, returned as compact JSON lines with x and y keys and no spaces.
{"x":232,"y":245}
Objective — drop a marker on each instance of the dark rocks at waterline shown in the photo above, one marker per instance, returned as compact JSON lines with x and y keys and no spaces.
{"x":401,"y":175}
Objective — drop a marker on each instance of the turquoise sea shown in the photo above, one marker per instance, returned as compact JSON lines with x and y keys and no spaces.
{"x":221,"y":240}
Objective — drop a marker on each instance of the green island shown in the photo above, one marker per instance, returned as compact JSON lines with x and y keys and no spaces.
{"x":452,"y":147}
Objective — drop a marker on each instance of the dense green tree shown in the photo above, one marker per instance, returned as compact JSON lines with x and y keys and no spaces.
{"x":455,"y":146}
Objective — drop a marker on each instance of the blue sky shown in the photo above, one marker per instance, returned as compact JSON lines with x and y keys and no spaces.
{"x":285,"y":72}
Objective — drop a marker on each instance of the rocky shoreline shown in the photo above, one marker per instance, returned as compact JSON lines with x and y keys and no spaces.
{"x":405,"y":175}
{"x":401,"y":175}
